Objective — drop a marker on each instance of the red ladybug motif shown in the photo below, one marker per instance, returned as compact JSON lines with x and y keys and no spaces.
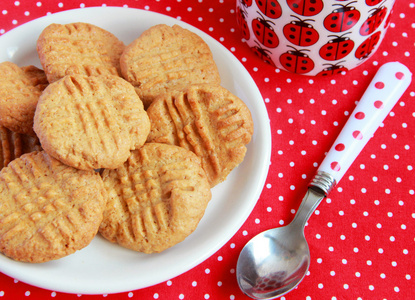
{"x":300,"y":33}
{"x":297,"y":61}
{"x":342,"y":19}
{"x":333,"y":69}
{"x":373,"y":2}
{"x":373,"y":22}
{"x":366,"y":48}
{"x":306,"y":7}
{"x":264,"y":54}
{"x":246,"y":3}
{"x":240,"y":18}
{"x":337,"y":48}
{"x":264,"y":32}
{"x":271,"y":8}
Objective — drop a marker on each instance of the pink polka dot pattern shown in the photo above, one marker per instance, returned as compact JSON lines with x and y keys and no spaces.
{"x":335,"y":166}
{"x":379,"y":85}
{"x":357,"y":135}
{"x":340,"y":147}
{"x":361,"y":236}
{"x":399,"y":75}
{"x":378,"y":104}
{"x":359,"y":115}
{"x":389,"y":83}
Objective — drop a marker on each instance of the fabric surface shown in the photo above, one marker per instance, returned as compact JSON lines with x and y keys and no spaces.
{"x":362,"y":237}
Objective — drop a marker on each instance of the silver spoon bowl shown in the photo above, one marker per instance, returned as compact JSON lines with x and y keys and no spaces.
{"x":278,"y":259}
{"x":261,"y":282}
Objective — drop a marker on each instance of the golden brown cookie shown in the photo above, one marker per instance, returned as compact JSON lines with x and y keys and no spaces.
{"x":208,"y":120}
{"x":14,"y":145}
{"x":78,"y":48}
{"x":19,"y":93}
{"x":165,"y":58}
{"x":156,"y":199}
{"x":91,"y":122}
{"x":47,"y":210}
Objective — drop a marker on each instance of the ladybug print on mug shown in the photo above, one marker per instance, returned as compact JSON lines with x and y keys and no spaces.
{"x":306,"y":7}
{"x":342,"y":18}
{"x":300,"y":33}
{"x":264,"y":32}
{"x":264,"y":54}
{"x":243,"y":25}
{"x":333,"y":69}
{"x":297,"y":61}
{"x":270,"y":8}
{"x":373,"y":22}
{"x":337,"y":48}
{"x":314,"y":37}
{"x":366,"y":48}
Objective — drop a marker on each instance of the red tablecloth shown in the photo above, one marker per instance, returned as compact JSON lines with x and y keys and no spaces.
{"x":362,"y":238}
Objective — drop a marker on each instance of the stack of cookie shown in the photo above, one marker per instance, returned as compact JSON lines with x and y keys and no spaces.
{"x":122,"y":140}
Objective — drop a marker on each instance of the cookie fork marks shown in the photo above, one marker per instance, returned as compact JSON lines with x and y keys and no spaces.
{"x":208,"y":120}
{"x":156,"y":198}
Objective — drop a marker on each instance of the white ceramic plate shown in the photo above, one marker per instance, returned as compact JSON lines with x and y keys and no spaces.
{"x":102,"y":267}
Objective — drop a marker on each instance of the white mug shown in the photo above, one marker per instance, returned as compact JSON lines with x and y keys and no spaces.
{"x":314,"y":37}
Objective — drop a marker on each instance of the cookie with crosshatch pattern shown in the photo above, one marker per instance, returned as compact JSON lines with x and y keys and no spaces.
{"x":91,"y":122}
{"x":167,"y":58}
{"x":20,"y":90}
{"x":156,"y":198}
{"x":78,"y":48}
{"x":48,"y":210}
{"x":208,"y":120}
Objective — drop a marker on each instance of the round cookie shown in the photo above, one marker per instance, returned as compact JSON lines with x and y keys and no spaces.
{"x":78,"y":48}
{"x":156,"y":199}
{"x":165,"y":58}
{"x":208,"y":120}
{"x":48,"y":210}
{"x":19,"y":93}
{"x":91,"y":122}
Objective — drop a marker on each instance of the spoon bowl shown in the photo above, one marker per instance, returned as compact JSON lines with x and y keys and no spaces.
{"x":282,"y":258}
{"x":275,"y":261}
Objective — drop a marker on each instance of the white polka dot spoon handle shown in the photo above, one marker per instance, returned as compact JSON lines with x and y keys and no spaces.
{"x":386,"y":88}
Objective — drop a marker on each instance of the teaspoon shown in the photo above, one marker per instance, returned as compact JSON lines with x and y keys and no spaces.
{"x":275,"y":261}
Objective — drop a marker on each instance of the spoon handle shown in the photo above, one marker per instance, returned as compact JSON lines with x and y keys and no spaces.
{"x":386,"y":88}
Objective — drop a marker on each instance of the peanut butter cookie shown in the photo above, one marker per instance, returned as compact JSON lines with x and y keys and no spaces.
{"x":207,"y":120}
{"x":91,"y":122}
{"x":48,"y":210}
{"x":165,"y":58}
{"x":78,"y":48}
{"x":20,"y":90}
{"x":156,"y":199}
